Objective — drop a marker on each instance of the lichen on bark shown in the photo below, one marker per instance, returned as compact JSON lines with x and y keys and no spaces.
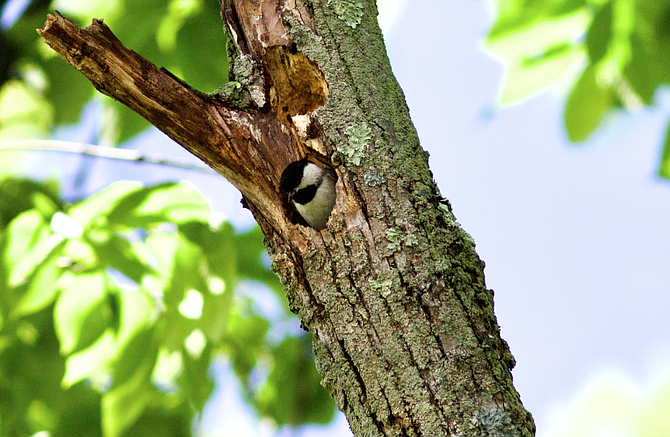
{"x":393,"y":291}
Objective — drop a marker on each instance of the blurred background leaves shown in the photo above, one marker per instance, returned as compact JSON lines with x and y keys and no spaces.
{"x":611,"y":55}
{"x":38,"y":90}
{"x":112,"y":309}
{"x":114,"y":306}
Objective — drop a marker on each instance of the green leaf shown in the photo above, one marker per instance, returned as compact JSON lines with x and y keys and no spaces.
{"x":245,"y":342}
{"x":68,"y":90}
{"x":643,"y":72}
{"x":79,"y":254}
{"x":101,"y":203}
{"x":536,"y":38}
{"x":586,"y":106}
{"x":45,"y":204}
{"x":161,"y":247}
{"x":169,"y":365}
{"x":139,"y":347}
{"x":167,"y":202}
{"x":23,"y":112}
{"x":600,"y":33}
{"x":137,"y":28}
{"x":652,"y":36}
{"x":186,"y":273}
{"x":41,"y":289}
{"x":517,"y":14}
{"x":221,"y":254}
{"x":195,"y":379}
{"x":539,"y":52}
{"x":664,"y":167}
{"x":91,"y":361}
{"x":216,"y":308}
{"x":173,"y":20}
{"x":19,"y":195}
{"x":81,"y":311}
{"x":187,"y":279}
{"x":24,"y":232}
{"x":200,"y":52}
{"x":83,"y":10}
{"x":219,"y":245}
{"x":293,"y":394}
{"x":30,"y":243}
{"x":163,"y":421}
{"x":137,"y":313}
{"x":118,"y":253}
{"x":251,"y":251}
{"x":125,"y":403}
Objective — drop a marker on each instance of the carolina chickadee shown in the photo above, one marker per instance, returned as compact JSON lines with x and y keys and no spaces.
{"x":311,"y":189}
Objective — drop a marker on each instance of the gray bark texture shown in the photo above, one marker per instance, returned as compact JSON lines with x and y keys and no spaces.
{"x":392,"y":291}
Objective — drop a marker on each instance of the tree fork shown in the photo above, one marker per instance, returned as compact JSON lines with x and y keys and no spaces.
{"x":393,"y":292}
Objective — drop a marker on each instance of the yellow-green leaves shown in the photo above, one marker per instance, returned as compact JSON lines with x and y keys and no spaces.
{"x":588,"y":102}
{"x":30,"y":244}
{"x":290,"y":394}
{"x":40,"y":291}
{"x":620,"y":46}
{"x":168,"y":202}
{"x":664,"y":167}
{"x":100,"y":204}
{"x":600,"y":33}
{"x":24,"y":113}
{"x":538,"y":52}
{"x":121,"y":301}
{"x":614,"y":403}
{"x":124,"y":403}
{"x":82,"y":303}
{"x":42,"y":90}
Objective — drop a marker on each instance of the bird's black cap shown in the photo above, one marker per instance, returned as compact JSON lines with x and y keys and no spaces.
{"x":292,"y":175}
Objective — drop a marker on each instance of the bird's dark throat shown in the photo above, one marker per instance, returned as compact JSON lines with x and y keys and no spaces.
{"x":304,"y":195}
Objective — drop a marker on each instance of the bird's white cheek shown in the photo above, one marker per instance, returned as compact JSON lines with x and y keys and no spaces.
{"x":317,"y":211}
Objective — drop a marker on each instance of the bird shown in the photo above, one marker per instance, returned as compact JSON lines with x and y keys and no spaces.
{"x":311,"y":190}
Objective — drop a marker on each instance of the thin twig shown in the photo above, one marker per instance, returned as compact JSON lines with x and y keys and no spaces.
{"x":101,"y":152}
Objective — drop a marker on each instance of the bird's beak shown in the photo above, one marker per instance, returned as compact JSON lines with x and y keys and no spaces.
{"x":290,"y":196}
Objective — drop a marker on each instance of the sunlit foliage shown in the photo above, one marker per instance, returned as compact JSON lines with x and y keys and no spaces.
{"x":614,"y":53}
{"x":112,"y":309}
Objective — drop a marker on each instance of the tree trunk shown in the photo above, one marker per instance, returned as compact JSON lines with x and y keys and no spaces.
{"x":392,"y":291}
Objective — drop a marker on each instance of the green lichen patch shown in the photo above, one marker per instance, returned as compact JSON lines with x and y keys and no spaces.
{"x":359,"y":138}
{"x":397,"y":237}
{"x":350,"y":11}
{"x":245,"y":71}
{"x":373,"y":177}
{"x":493,"y":423}
{"x":233,"y":95}
{"x":384,"y":287}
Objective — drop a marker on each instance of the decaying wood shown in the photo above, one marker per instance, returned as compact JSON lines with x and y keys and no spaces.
{"x":392,"y":291}
{"x":240,"y":145}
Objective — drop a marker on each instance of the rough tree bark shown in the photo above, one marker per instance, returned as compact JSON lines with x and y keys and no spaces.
{"x":393,"y":292}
